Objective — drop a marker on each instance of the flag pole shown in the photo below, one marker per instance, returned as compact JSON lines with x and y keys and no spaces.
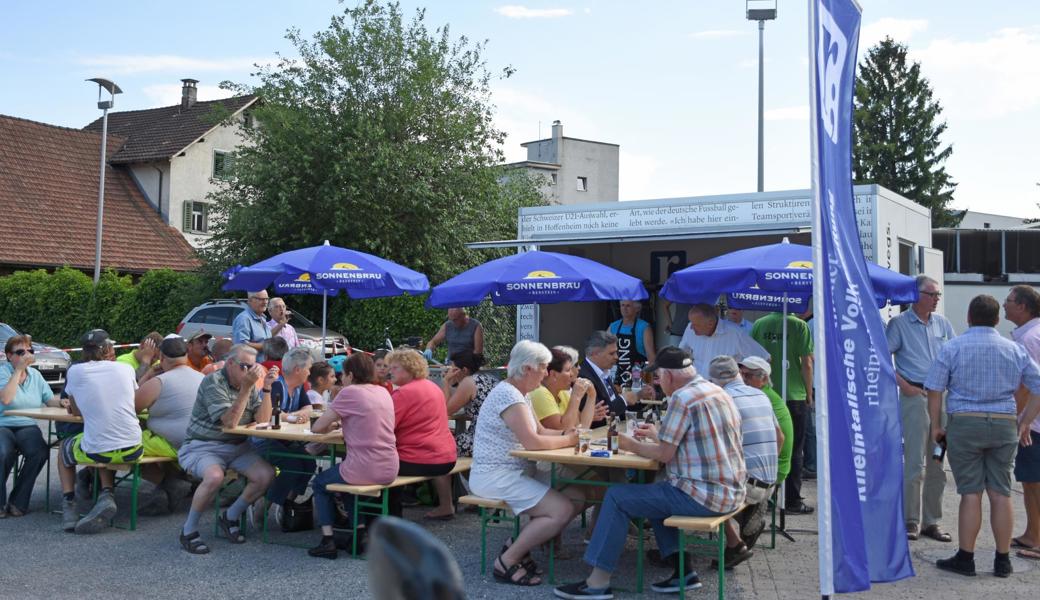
{"x":820,"y":279}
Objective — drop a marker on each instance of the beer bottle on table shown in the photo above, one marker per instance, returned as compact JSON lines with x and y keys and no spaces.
{"x":612,"y":435}
{"x":277,"y":397}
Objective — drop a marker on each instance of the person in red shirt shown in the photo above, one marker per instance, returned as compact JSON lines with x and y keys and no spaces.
{"x":425,"y":445}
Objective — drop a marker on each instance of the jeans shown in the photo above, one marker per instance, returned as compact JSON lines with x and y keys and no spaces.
{"x":653,"y":501}
{"x":286,"y":482}
{"x":324,"y":506}
{"x":793,"y":484}
{"x":809,"y":456}
{"x":27,"y":441}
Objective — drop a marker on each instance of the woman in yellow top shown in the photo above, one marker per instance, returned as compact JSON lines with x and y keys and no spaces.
{"x":552,"y":400}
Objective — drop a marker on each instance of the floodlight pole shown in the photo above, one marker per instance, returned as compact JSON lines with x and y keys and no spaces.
{"x":104,"y":105}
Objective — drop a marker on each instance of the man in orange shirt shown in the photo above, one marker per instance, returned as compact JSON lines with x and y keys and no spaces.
{"x":198,"y":350}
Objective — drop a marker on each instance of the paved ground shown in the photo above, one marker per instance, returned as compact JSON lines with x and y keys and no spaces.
{"x":38,"y":560}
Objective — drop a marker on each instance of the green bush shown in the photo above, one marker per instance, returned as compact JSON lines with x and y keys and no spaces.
{"x":57,"y":308}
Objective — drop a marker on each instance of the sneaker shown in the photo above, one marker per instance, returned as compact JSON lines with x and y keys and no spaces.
{"x":955,"y":564}
{"x":671,"y":585}
{"x":277,"y":512}
{"x":581,"y":591}
{"x":100,"y":517}
{"x":69,"y":515}
{"x":1002,"y":567}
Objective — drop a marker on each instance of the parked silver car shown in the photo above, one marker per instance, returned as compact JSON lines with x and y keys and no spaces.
{"x":51,"y":362}
{"x":216,"y":317}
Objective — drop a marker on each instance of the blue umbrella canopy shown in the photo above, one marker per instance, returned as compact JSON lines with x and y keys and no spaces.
{"x":537,"y":278}
{"x":756,"y":278}
{"x":328,"y":269}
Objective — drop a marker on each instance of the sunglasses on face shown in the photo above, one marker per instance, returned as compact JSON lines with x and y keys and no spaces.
{"x":22,"y":351}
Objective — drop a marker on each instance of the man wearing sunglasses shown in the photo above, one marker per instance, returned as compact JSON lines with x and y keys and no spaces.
{"x":226,"y":398}
{"x":250,"y":326}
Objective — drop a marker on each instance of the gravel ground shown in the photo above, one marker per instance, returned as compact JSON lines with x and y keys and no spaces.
{"x":38,"y":560}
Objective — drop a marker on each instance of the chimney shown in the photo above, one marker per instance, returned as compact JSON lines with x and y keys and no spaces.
{"x":557,"y":130}
{"x":188,"y":93}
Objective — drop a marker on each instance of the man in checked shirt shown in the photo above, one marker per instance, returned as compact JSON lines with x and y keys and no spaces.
{"x":981,"y":371}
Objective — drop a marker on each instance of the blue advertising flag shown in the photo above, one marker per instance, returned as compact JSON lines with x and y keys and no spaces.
{"x":859,"y":437}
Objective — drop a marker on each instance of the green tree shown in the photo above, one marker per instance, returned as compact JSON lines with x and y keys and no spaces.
{"x":897,"y":131}
{"x":379,"y":137}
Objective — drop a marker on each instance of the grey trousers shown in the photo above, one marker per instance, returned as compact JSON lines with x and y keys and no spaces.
{"x":918,"y":466}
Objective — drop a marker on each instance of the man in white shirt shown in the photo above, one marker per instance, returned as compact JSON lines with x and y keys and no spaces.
{"x":102,"y":392}
{"x":708,"y":337}
{"x":279,"y":322}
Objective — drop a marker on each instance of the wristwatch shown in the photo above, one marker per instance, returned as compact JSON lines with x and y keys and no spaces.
{"x":267,"y":390}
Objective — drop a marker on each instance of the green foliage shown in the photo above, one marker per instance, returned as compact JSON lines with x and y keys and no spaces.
{"x":57,"y":308}
{"x":897,"y":131}
{"x":379,"y":137}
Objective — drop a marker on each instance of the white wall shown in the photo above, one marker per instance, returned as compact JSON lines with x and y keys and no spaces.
{"x":957,"y":296}
{"x":147,"y":177}
{"x":191,"y":175}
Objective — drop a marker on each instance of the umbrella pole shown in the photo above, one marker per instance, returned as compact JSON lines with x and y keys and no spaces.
{"x":324,"y":316}
{"x":783,"y":353}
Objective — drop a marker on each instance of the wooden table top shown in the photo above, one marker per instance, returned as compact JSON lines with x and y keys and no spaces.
{"x":290,"y":432}
{"x":566,"y":456}
{"x":45,"y":413}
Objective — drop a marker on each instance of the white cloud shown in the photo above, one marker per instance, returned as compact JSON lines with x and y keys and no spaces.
{"x":788,"y":113}
{"x":900,"y":30}
{"x":985,"y":79}
{"x":716,"y":34}
{"x":123,"y":64}
{"x":164,"y":94}
{"x":517,"y":11}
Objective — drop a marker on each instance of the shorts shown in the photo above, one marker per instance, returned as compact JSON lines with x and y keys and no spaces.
{"x":517,"y":488}
{"x":981,"y":452}
{"x":156,"y":445}
{"x":196,"y":456}
{"x":1027,"y":461}
{"x":72,"y":453}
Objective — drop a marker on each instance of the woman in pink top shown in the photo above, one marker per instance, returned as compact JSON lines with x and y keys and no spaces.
{"x":366,"y":412}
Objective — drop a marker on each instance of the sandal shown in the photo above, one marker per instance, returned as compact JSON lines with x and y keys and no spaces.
{"x":1018,"y":543}
{"x":1030,"y":553}
{"x":527,"y":561}
{"x":506,"y":576}
{"x":230,"y":529}
{"x":193,"y":544}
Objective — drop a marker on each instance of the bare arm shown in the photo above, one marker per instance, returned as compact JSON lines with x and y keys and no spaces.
{"x":662,"y":452}
{"x":464,"y":393}
{"x":517,"y":418}
{"x":325,"y":422}
{"x":1032,"y":409}
{"x":779,"y":439}
{"x":648,"y":343}
{"x":478,"y":340}
{"x":9,"y":391}
{"x":437,"y":338}
{"x":147,"y":394}
{"x":906,"y":389}
{"x":934,"y":406}
{"x":233,"y":414}
{"x":73,"y":409}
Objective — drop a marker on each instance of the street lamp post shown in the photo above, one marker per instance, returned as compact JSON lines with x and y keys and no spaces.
{"x":761,"y":11}
{"x":104,"y":105}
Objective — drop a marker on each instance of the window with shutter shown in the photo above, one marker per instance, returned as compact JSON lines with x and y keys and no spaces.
{"x":186,"y":216}
{"x":219,"y":164}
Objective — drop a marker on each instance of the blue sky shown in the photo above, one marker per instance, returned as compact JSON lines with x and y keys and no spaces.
{"x":674,"y":83}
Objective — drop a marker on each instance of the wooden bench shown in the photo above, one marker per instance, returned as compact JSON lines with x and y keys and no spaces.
{"x":712,"y":526}
{"x":491,"y":511}
{"x":134,"y":476}
{"x":462,"y":464}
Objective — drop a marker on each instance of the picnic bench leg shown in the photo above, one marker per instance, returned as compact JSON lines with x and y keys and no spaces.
{"x":135,"y":485}
{"x":50,"y":447}
{"x":640,"y":476}
{"x":772,"y":527}
{"x":722,"y":561}
{"x":483,"y":540}
{"x":354,"y":525}
{"x":682,"y":564}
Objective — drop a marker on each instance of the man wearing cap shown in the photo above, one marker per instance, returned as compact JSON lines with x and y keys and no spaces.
{"x":699,"y":445}
{"x":755,"y":371}
{"x":761,"y":439}
{"x":915,"y":338}
{"x":102,"y":392}
{"x":198,"y":355}
{"x":250,"y":327}
{"x":226,"y":398}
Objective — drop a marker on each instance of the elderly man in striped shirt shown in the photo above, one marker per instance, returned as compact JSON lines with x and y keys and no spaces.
{"x":699,"y":443}
{"x":981,"y":371}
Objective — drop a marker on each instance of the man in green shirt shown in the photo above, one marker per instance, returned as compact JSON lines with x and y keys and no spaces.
{"x":147,"y":353}
{"x":768,"y":331}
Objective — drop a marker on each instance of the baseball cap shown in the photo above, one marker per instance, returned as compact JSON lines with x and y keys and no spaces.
{"x":199,"y":335}
{"x":757,"y":363}
{"x":173,"y":347}
{"x":723,"y":368}
{"x":670,"y":357}
{"x":95,"y":338}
